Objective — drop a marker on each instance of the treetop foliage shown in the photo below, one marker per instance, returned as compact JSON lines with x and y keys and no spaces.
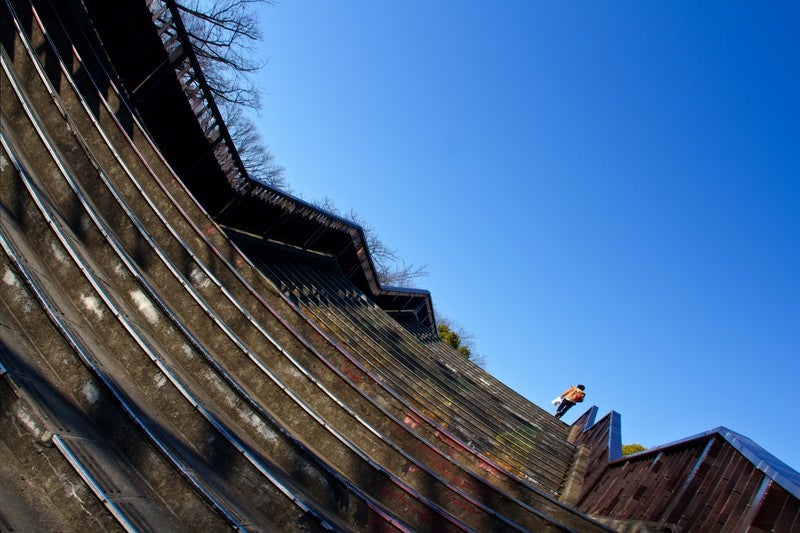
{"x":459,"y":339}
{"x":453,"y":339}
{"x":628,"y":449}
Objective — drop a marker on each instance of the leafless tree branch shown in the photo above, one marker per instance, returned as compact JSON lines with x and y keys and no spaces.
{"x":223,"y":35}
{"x":390,"y":268}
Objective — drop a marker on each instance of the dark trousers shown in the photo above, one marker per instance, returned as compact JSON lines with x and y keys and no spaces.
{"x":563,"y":407}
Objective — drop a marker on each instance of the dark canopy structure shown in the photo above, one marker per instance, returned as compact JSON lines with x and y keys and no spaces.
{"x":173,"y":98}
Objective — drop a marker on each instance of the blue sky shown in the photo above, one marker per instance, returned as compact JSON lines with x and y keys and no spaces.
{"x":603,"y":192}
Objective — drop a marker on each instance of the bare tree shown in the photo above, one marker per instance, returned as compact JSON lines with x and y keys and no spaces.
{"x":402,"y":274}
{"x":253,"y":151}
{"x":223,"y":34}
{"x":390,"y":268}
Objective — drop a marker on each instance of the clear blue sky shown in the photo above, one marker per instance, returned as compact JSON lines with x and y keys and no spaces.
{"x":604,"y":193}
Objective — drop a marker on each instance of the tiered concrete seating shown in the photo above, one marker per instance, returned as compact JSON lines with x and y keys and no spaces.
{"x":47,"y":391}
{"x":430,"y":374}
{"x":238,"y":398}
{"x":143,"y":337}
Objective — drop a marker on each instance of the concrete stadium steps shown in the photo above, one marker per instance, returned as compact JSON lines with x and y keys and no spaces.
{"x":177,"y":290}
{"x":83,"y":70}
{"x":537,"y":432}
{"x":39,"y":490}
{"x":517,"y":413}
{"x":147,"y":388}
{"x":461,"y":511}
{"x":461,"y":457}
{"x":406,"y":364}
{"x":273,"y":262}
{"x":169,"y":230}
{"x":507,"y":402}
{"x":59,"y":407}
{"x":460,"y":373}
{"x":101,"y":326}
{"x":507,"y":399}
{"x":226,"y":283}
{"x":461,"y":482}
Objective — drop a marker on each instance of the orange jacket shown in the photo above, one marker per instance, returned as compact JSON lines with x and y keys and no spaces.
{"x":573,"y":394}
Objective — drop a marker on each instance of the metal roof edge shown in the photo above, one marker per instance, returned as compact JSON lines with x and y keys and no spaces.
{"x":614,"y":430}
{"x":783,"y":474}
{"x":386,"y":289}
{"x":335,"y":222}
{"x":304,"y":203}
{"x":591,"y":417}
{"x":356,"y":232}
{"x":615,"y":436}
